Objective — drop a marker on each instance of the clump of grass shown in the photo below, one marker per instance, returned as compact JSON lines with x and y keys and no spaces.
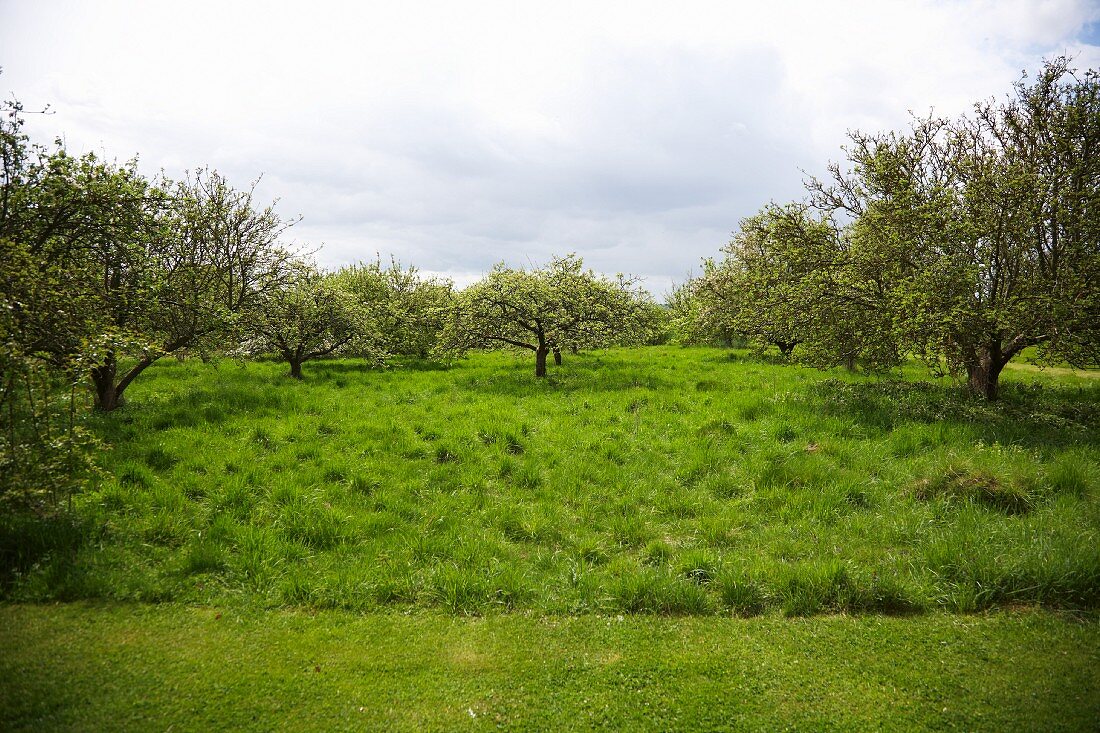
{"x":629,"y":530}
{"x":699,"y":566}
{"x":204,"y":556}
{"x":317,"y":527}
{"x":979,"y":486}
{"x":754,"y":411}
{"x":444,"y":454}
{"x":1073,"y":473}
{"x":135,"y":475}
{"x":814,"y":587}
{"x":646,"y":590}
{"x":160,"y":459}
{"x":166,"y":527}
{"x":460,"y":590}
{"x":365,"y":484}
{"x":741,"y":593}
{"x":657,"y":553}
{"x":590,"y":549}
{"x":527,"y":476}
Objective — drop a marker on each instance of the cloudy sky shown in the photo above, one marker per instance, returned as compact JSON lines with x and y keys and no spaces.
{"x":457,"y":134}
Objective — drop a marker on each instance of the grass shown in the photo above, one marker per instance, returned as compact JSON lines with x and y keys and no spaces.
{"x":141,"y":667}
{"x":660,"y":480}
{"x":656,"y":538}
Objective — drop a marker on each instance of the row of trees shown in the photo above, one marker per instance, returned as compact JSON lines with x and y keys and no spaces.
{"x":961,"y":241}
{"x":375,"y":312}
{"x":104,"y":270}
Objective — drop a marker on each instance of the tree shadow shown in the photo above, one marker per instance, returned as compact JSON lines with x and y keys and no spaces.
{"x":1029,"y":414}
{"x":576,"y":375}
{"x":28,"y":540}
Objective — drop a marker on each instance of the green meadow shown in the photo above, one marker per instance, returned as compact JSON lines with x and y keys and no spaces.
{"x":660,"y":480}
{"x":681,"y":510}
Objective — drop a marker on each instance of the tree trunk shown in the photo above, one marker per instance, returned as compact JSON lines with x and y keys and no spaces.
{"x":107,"y":394}
{"x":295,"y":368}
{"x":557,"y":356}
{"x":786,"y":347}
{"x":573,"y":349}
{"x":984,"y":370}
{"x":540,"y":361}
{"x":109,"y":391}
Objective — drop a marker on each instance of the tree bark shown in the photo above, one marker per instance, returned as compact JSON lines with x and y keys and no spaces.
{"x":103,"y":377}
{"x":983,"y":371}
{"x":295,"y":368}
{"x":540,"y":361}
{"x":557,"y":356}
{"x":108,"y":391}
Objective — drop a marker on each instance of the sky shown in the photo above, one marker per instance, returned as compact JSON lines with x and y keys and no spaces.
{"x":455,"y":135}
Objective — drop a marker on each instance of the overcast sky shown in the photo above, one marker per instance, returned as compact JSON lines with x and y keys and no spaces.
{"x":454,"y":135}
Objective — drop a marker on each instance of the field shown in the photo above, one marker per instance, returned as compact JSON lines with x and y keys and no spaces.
{"x":676,"y":488}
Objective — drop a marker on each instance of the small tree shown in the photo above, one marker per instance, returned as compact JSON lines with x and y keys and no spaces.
{"x":791,"y":279}
{"x":410,"y":309}
{"x":544,"y":310}
{"x":310,"y":317}
{"x":147,"y":268}
{"x":757,"y":291}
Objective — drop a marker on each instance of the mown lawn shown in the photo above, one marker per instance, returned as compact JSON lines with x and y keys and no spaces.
{"x":144,"y":667}
{"x":665,"y":480}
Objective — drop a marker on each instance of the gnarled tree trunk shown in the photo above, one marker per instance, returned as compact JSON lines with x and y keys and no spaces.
{"x":107,"y":395}
{"x":108,"y":391}
{"x":983,"y":372}
{"x":786,"y":347}
{"x":540,"y":361}
{"x":985,"y":363}
{"x":557,"y":356}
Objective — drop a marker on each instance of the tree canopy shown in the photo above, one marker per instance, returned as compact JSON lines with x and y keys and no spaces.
{"x":991,"y":225}
{"x":311,"y":316}
{"x":547,"y":309}
{"x":118,"y":270}
{"x":961,"y":241}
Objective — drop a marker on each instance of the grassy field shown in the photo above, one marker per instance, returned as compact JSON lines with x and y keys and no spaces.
{"x":653,"y":480}
{"x":470,"y":545}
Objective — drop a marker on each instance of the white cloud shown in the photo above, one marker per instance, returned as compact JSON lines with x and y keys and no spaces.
{"x":634,"y":134}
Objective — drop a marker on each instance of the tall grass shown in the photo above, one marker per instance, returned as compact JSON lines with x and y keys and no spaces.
{"x":657,"y":480}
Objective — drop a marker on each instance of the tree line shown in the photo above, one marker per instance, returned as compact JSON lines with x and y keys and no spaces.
{"x":105,"y":270}
{"x":960,"y":241}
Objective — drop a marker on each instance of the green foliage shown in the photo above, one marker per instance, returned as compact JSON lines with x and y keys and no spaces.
{"x":983,"y":231}
{"x":410,"y":310}
{"x":548,"y":309}
{"x":961,"y":242}
{"x":311,"y":316}
{"x":792,"y":280}
{"x":112,"y":270}
{"x":689,"y":320}
{"x":46,"y":452}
